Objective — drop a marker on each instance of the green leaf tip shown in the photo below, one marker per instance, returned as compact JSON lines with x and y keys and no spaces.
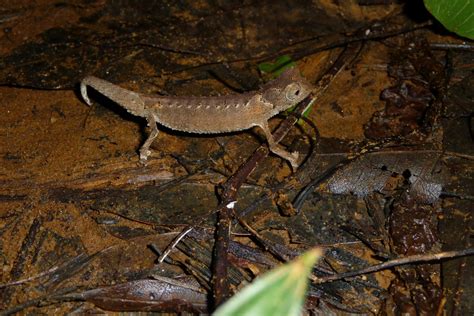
{"x":276,"y":67}
{"x":456,"y":16}
{"x":281,"y":291}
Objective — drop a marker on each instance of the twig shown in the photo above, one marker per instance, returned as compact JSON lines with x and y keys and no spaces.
{"x":220,"y":279}
{"x":452,"y":46}
{"x":32,"y":278}
{"x":176,"y":240}
{"x":394,"y":263}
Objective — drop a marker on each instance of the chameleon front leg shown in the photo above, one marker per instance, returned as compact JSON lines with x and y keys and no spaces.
{"x":145,"y":149}
{"x":277,"y":149}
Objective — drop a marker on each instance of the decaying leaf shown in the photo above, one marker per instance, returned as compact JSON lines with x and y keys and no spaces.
{"x":373,"y":172}
{"x":279,"y":292}
{"x":149,"y":295}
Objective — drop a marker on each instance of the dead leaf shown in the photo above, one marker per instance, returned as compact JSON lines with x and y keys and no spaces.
{"x":149,"y":295}
{"x":373,"y":172}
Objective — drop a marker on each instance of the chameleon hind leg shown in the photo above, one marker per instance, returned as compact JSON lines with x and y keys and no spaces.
{"x":145,"y":149}
{"x":279,"y":150}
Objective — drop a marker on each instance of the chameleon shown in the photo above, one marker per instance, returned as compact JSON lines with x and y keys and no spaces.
{"x":210,"y":115}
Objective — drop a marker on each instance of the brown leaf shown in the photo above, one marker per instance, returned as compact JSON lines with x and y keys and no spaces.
{"x":376,"y":172}
{"x":164,"y":295}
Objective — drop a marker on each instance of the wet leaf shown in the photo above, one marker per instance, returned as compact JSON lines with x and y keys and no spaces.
{"x":278,"y":292}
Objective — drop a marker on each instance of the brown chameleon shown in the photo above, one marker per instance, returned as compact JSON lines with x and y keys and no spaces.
{"x":209,"y":115}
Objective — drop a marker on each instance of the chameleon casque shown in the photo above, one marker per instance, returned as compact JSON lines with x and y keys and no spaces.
{"x":210,"y":115}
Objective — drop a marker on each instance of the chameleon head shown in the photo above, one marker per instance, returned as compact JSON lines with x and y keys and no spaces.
{"x":287,"y":90}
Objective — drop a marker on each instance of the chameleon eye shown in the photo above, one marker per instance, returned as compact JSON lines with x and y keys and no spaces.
{"x":293,"y":91}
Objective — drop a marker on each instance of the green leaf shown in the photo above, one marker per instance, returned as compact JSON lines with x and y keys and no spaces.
{"x":278,"y":66}
{"x":280,"y":291}
{"x":456,"y":15}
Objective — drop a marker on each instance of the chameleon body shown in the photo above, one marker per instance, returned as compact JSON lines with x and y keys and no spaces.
{"x":207,"y":115}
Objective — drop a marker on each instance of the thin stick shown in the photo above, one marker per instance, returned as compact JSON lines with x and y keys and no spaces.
{"x":394,"y":263}
{"x":39,"y":275}
{"x":176,"y":241}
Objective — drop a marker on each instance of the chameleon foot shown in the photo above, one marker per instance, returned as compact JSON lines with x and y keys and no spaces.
{"x":144,"y":153}
{"x":293,"y":159}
